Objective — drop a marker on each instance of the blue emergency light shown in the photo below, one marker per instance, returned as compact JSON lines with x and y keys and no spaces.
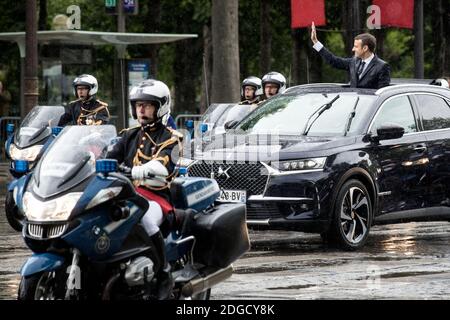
{"x":182,"y":171}
{"x":9,"y":128}
{"x":106,"y":166}
{"x":203,"y":127}
{"x":21,"y":166}
{"x":56,"y":130}
{"x":189,"y":124}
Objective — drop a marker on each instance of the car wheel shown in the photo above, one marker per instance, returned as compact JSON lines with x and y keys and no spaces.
{"x":14,"y":217}
{"x":352,"y":216}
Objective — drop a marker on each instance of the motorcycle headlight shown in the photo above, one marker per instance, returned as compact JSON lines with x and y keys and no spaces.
{"x":303,"y":164}
{"x":58,"y":209}
{"x":28,"y":154}
{"x":103,"y":196}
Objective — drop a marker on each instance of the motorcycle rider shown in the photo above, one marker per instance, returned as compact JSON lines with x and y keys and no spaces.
{"x":251,"y":90}
{"x":273,"y":83}
{"x":146,"y":149}
{"x":87,"y":109}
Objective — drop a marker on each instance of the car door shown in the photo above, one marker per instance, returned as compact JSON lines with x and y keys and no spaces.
{"x":401,"y":163}
{"x":434,"y":113}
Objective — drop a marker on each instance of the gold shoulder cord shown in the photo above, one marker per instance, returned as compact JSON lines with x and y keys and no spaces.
{"x":88,"y":113}
{"x":140,"y":155}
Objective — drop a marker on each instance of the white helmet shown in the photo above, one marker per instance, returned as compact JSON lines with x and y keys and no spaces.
{"x":85,"y":80}
{"x":151,"y":90}
{"x":441,"y":82}
{"x":277,"y":78}
{"x":254,"y":82}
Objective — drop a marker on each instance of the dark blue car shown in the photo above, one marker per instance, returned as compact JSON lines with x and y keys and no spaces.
{"x":335,"y":160}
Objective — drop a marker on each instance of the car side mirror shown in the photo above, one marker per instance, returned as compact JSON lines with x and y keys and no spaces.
{"x":389,"y":132}
{"x":230,"y":124}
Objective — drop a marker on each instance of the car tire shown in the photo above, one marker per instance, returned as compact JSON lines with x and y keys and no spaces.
{"x":14,"y":217}
{"x":352,"y":216}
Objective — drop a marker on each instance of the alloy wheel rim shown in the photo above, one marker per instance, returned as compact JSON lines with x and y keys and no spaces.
{"x":354,"y":215}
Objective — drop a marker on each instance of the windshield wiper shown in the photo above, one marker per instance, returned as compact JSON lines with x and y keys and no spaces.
{"x":319,"y":111}
{"x":350,"y":117}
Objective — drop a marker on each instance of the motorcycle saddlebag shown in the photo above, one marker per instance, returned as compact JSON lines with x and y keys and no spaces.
{"x":221,"y":235}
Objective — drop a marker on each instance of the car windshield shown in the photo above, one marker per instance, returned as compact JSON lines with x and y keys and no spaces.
{"x":36,"y":125}
{"x":71,"y":158}
{"x":288,"y":115}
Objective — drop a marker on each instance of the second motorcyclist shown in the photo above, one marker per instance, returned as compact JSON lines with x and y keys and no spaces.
{"x":87,"y":109}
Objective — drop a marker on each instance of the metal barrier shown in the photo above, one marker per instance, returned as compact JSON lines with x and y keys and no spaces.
{"x":182,"y":118}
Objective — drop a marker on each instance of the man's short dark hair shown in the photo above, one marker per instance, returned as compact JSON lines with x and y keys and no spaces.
{"x":367,"y":40}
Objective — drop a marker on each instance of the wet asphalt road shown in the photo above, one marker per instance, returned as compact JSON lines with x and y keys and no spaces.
{"x":402,"y":261}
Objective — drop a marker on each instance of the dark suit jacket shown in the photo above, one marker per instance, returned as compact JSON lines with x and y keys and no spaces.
{"x":377,"y":74}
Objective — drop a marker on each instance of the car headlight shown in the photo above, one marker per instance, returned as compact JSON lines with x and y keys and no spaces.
{"x":103,"y":196}
{"x":28,"y":154}
{"x":303,"y":164}
{"x":58,"y":209}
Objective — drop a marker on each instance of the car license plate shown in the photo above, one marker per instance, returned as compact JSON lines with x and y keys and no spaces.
{"x":233,"y":196}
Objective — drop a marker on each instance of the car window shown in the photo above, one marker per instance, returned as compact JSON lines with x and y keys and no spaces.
{"x":289,"y":114}
{"x":396,"y":111}
{"x":434,"y":111}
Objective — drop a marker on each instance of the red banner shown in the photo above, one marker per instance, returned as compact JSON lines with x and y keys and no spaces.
{"x":396,"y":13}
{"x":304,"y":12}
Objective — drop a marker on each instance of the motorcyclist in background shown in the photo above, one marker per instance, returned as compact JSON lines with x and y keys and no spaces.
{"x":273,"y":83}
{"x":87,"y":109}
{"x":251,"y":90}
{"x":147,"y":149}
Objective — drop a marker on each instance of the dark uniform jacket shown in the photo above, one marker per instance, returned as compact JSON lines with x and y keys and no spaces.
{"x":79,"y":112}
{"x":138,"y":146}
{"x":377,"y":74}
{"x":249,"y":102}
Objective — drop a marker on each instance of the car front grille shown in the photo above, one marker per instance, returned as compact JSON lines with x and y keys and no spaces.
{"x":251,"y":177}
{"x":46,"y":231}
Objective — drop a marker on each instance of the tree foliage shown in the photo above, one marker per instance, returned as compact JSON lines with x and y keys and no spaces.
{"x":183,"y":64}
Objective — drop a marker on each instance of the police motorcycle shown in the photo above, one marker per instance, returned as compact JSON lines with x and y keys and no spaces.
{"x":82,"y":222}
{"x":24,"y":148}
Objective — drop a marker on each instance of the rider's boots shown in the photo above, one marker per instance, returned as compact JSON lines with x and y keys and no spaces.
{"x":164,"y":278}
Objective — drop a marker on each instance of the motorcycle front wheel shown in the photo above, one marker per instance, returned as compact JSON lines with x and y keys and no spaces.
{"x":41,"y":286}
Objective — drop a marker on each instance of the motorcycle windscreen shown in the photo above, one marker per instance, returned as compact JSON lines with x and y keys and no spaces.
{"x":37,"y":125}
{"x":71,"y":158}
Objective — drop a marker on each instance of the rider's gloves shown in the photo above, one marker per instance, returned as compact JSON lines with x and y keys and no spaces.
{"x":151,"y":173}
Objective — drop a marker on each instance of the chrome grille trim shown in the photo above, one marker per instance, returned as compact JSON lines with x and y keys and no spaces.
{"x":251,"y":177}
{"x":35,"y":230}
{"x":46,"y":231}
{"x":55,"y":231}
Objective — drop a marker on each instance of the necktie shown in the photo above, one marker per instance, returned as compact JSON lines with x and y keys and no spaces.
{"x":361,"y":68}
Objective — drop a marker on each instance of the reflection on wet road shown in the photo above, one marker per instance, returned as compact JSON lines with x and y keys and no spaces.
{"x":403,"y":261}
